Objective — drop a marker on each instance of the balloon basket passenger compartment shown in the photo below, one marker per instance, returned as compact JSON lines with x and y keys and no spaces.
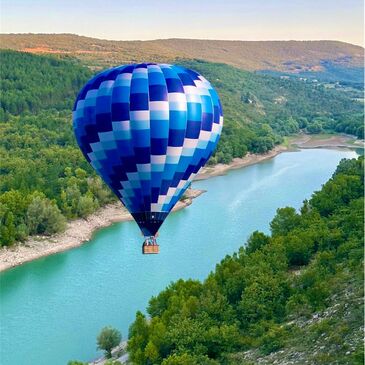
{"x":150,"y":249}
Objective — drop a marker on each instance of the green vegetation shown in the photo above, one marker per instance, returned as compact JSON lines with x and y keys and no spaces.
{"x":298,"y":290}
{"x":34,"y":84}
{"x":259,"y":110}
{"x":108,"y":338}
{"x":44,"y":179}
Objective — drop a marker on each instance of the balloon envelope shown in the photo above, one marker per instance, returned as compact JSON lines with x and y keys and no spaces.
{"x":147,"y":129}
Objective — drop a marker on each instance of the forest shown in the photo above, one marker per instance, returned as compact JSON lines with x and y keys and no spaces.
{"x":299,"y":289}
{"x":45,"y":180}
{"x":259,"y":110}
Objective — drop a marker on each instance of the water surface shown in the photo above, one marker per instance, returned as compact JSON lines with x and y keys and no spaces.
{"x":52,"y":309}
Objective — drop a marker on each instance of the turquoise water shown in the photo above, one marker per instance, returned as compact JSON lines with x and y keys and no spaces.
{"x":52,"y":309}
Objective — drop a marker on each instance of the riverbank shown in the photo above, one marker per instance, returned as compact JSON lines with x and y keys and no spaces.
{"x":77,"y":232}
{"x":237,"y":163}
{"x":325,"y":141}
{"x":80,"y":231}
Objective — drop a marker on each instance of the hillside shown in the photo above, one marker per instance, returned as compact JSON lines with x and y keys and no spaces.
{"x":292,"y":297}
{"x":294,"y":57}
{"x":44,"y":177}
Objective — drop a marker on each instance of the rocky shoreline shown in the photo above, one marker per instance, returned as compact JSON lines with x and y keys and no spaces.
{"x":78,"y":231}
{"x":237,"y":163}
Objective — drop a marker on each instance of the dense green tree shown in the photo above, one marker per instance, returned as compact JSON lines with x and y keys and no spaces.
{"x":107,"y":339}
{"x":337,"y":192}
{"x":112,"y":362}
{"x":286,"y":219}
{"x":273,"y":339}
{"x":86,"y":205}
{"x":299,"y":247}
{"x":138,"y":339}
{"x":256,"y":241}
{"x":44,"y":217}
{"x":188,"y":359}
{"x":7,"y":226}
{"x":314,"y":128}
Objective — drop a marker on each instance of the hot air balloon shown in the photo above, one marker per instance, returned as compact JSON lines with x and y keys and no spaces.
{"x":147,"y":129}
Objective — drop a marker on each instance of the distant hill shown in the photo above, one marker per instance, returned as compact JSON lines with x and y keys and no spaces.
{"x":293,"y":57}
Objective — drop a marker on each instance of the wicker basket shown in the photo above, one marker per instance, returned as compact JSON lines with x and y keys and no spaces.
{"x":150,"y":249}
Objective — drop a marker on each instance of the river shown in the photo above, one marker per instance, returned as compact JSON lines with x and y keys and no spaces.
{"x":52,"y":309}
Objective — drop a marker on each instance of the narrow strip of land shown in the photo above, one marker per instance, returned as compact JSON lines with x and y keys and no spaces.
{"x":326,"y":141}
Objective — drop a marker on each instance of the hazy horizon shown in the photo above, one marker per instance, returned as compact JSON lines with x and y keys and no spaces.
{"x":184,"y":38}
{"x":230,"y":20}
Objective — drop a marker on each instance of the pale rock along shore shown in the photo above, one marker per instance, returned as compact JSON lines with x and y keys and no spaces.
{"x":77,"y":232}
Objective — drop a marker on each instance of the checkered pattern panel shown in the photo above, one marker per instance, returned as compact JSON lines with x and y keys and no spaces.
{"x":147,"y":129}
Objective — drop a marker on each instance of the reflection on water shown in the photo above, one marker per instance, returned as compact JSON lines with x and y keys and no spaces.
{"x":255,"y":186}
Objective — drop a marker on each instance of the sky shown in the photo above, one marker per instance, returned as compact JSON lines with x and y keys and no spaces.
{"x":204,"y":19}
